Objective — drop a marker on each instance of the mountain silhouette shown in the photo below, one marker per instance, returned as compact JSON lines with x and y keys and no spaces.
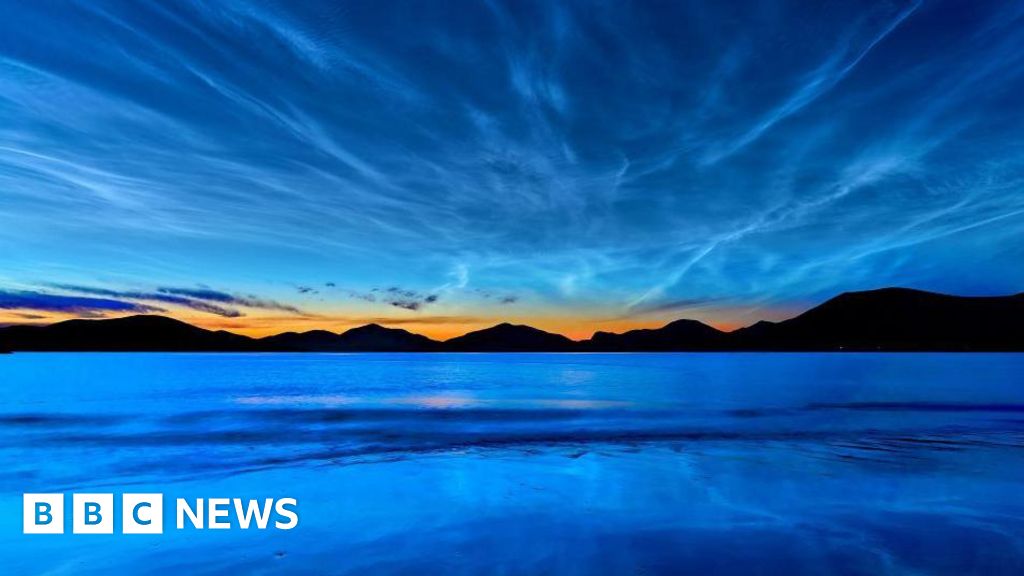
{"x":896,"y":319}
{"x":675,"y":336}
{"x":510,"y":338}
{"x":369,"y":338}
{"x":311,"y":341}
{"x":889,"y":319}
{"x":130,"y":334}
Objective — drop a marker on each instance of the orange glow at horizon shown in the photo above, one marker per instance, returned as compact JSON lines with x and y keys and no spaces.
{"x":438,"y":327}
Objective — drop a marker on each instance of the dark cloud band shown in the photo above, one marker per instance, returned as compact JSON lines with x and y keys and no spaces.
{"x":45,"y":302}
{"x":204,"y":300}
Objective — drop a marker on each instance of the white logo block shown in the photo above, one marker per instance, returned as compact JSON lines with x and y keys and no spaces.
{"x":142,"y":513}
{"x":92,"y":513}
{"x":43,"y":513}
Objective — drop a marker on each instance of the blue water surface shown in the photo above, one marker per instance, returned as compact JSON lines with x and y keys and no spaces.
{"x":529,"y":463}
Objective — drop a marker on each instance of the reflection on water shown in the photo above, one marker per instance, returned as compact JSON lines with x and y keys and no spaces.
{"x":533,"y":463}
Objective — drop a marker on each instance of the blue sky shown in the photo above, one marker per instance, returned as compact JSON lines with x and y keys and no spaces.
{"x":445,"y":164}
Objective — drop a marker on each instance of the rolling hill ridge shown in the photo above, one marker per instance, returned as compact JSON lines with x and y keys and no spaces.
{"x":889,"y":319}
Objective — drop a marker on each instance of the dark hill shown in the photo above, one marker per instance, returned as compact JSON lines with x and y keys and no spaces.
{"x":895,"y":319}
{"x":375,"y":338}
{"x":675,"y":336}
{"x":130,"y":334}
{"x":369,"y":338}
{"x":510,"y":338}
{"x":311,"y":341}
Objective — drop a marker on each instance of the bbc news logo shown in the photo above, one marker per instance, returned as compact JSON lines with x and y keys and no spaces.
{"x":144,"y":513}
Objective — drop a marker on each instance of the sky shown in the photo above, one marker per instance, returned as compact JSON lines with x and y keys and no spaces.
{"x":443,"y":166}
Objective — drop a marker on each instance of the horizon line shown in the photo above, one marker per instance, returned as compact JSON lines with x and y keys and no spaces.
{"x":385,"y":325}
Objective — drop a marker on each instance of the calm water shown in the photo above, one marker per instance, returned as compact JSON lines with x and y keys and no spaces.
{"x":530,"y":464}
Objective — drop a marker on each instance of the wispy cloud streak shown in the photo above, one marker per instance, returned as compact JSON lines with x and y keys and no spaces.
{"x":824,"y":78}
{"x":46,"y":302}
{"x":505,"y":158}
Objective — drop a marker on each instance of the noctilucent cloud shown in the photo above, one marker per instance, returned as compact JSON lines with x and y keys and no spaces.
{"x":442,"y":165}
